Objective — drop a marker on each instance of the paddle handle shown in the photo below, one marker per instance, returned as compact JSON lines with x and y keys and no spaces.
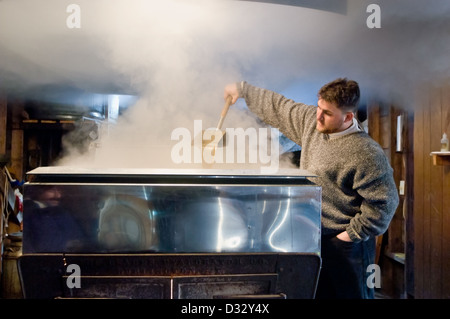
{"x":224,"y":111}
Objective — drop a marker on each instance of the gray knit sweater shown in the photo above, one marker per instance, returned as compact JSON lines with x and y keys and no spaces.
{"x":359,"y":194}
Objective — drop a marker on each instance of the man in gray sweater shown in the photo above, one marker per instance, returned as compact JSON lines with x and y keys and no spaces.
{"x":359,"y":195}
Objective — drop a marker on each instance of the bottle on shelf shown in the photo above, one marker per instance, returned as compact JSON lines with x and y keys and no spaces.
{"x":444,"y":143}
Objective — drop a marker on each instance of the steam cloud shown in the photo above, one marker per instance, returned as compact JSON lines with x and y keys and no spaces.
{"x":178,"y":55}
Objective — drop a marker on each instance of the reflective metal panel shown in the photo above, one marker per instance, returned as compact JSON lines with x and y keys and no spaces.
{"x":164,"y":213}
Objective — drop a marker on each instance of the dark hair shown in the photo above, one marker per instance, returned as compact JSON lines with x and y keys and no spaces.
{"x":343,"y":92}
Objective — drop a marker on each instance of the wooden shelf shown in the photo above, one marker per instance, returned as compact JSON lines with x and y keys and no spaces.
{"x":441,"y":158}
{"x":398,"y":257}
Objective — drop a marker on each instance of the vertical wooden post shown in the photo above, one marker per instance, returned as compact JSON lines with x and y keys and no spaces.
{"x":3,"y":123}
{"x":17,"y":136}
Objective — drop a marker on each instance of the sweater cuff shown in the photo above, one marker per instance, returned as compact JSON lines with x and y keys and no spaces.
{"x":353,"y":236}
{"x":240,"y":87}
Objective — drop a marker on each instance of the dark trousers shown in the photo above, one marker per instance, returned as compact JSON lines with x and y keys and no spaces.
{"x":344,"y":270}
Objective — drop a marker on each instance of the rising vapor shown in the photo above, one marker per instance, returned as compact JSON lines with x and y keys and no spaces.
{"x":178,"y":55}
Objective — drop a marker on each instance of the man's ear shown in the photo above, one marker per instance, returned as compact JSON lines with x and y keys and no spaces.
{"x":349,"y":116}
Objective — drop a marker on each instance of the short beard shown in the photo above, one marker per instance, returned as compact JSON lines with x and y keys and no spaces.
{"x":325,"y":131}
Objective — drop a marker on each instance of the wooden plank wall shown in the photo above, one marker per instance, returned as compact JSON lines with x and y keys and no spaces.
{"x":408,"y":203}
{"x":431,"y":197}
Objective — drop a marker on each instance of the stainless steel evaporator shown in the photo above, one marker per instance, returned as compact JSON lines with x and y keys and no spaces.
{"x":146,"y":233}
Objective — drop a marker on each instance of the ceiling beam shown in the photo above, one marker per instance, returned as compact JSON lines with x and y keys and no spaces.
{"x":337,"y":6}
